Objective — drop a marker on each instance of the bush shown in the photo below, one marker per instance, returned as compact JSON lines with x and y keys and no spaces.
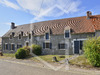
{"x":36,"y":49}
{"x":20,"y":54}
{"x":92,"y":50}
{"x":27,"y":49}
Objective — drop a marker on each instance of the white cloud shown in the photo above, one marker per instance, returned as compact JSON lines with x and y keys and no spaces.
{"x":9,"y":4}
{"x":50,"y":8}
{"x":33,"y":6}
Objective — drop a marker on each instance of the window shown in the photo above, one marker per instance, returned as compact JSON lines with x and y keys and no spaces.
{"x":47,"y":45}
{"x":19,"y":36}
{"x":12,"y":46}
{"x":6,"y":46}
{"x":10,"y":36}
{"x":47,"y":36}
{"x":19,"y":46}
{"x":67,"y":34}
{"x":13,"y":34}
{"x":61,"y":46}
{"x":27,"y":44}
{"x":21,"y":33}
{"x":29,"y":36}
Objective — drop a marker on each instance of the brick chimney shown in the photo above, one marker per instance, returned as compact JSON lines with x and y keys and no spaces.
{"x":12,"y":25}
{"x":89,"y":14}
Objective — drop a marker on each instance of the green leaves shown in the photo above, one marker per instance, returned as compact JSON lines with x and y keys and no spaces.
{"x":92,"y":50}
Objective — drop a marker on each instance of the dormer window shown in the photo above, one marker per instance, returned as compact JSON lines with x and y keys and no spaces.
{"x":47,"y":36}
{"x":21,"y":33}
{"x":13,"y":34}
{"x":10,"y":36}
{"x":29,"y":36}
{"x":67,"y":33}
{"x":19,"y":36}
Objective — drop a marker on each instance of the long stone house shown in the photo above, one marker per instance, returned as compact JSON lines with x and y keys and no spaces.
{"x":62,"y":36}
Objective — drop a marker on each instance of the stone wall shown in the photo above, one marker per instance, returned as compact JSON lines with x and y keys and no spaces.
{"x":54,"y":39}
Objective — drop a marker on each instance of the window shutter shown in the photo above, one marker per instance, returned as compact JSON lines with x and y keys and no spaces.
{"x":58,"y":46}
{"x":14,"y":46}
{"x":43,"y":45}
{"x":4,"y":47}
{"x":9,"y":46}
{"x":17,"y":46}
{"x":50,"y":45}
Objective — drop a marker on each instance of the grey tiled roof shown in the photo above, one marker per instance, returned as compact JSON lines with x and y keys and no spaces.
{"x":77,"y":25}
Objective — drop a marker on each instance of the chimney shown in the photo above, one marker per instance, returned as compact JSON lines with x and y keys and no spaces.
{"x":12,"y":25}
{"x":89,"y":14}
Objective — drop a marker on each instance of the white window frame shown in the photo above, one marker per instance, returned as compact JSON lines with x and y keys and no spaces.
{"x":45,"y":36}
{"x":69,"y":34}
{"x":77,"y":40}
{"x":45,"y":44}
{"x":65,"y":47}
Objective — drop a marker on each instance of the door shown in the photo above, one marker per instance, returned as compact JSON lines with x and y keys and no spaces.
{"x":76,"y":47}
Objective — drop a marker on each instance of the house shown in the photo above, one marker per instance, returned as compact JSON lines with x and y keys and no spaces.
{"x":63,"y":36}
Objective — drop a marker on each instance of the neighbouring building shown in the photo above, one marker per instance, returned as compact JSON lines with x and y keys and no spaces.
{"x":0,"y":43}
{"x":63,"y":36}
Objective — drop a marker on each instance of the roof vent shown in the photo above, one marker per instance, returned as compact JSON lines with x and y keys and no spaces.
{"x":89,"y":14}
{"x":12,"y":25}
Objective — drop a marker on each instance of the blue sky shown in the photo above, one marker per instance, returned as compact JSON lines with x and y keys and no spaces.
{"x":27,"y":11}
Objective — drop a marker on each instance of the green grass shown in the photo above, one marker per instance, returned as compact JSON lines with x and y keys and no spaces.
{"x":48,"y":58}
{"x":12,"y":55}
{"x":81,"y":61}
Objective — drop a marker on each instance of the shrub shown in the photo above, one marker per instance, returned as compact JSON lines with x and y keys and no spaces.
{"x":20,"y":54}
{"x":27,"y":50}
{"x":36,"y":49}
{"x":92,"y":50}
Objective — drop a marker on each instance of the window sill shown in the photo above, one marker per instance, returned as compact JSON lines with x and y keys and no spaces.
{"x":47,"y":49}
{"x":62,"y":49}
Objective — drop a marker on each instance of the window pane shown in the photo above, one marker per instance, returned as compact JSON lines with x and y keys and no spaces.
{"x":19,"y":36}
{"x":47,"y":45}
{"x":6,"y":46}
{"x":19,"y":46}
{"x":29,"y":36}
{"x":10,"y":36}
{"x":67,"y":33}
{"x":47,"y":35}
{"x":13,"y":47}
{"x":27,"y":44}
{"x":61,"y":46}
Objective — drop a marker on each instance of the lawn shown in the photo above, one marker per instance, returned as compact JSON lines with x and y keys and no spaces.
{"x":80,"y":61}
{"x":48,"y":58}
{"x":8,"y":55}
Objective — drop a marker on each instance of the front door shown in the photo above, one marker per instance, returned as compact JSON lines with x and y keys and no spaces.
{"x":76,"y":47}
